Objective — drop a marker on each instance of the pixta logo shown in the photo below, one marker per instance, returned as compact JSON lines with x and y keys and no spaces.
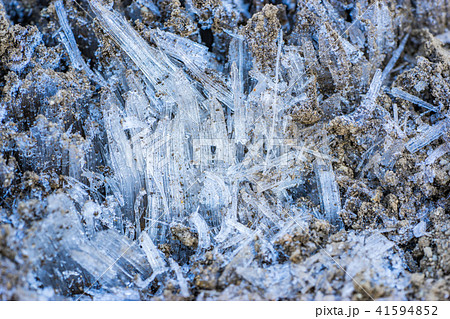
{"x":337,"y":311}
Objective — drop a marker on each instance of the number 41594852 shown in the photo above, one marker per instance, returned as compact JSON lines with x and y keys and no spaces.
{"x":404,"y":310}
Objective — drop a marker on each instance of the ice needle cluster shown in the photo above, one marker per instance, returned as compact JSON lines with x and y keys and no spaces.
{"x":267,"y":162}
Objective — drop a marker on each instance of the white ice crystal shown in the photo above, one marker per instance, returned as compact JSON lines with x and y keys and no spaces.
{"x":329,"y":191}
{"x":224,"y":150}
{"x":68,"y":39}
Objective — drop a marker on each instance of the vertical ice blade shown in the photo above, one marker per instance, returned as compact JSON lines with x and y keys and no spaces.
{"x":154,"y":256}
{"x":69,"y":42}
{"x":328,"y":191}
{"x":239,"y":108}
{"x":125,"y":176}
{"x":374,"y":90}
{"x":368,"y":104}
{"x":89,"y":211}
{"x":387,"y":70}
{"x":184,"y":290}
{"x":275,"y":106}
{"x":204,"y":240}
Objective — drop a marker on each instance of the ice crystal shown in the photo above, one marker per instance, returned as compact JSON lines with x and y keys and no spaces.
{"x":430,"y":134}
{"x":259,"y":153}
{"x":68,"y":39}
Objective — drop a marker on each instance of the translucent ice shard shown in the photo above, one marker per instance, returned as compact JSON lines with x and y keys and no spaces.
{"x":329,"y":191}
{"x":124,"y":251}
{"x":197,"y":59}
{"x":69,"y":42}
{"x":107,"y":256}
{"x":89,"y":211}
{"x":239,"y":107}
{"x":184,"y":49}
{"x":437,"y":153}
{"x":429,"y":135}
{"x":213,"y":85}
{"x":420,"y":229}
{"x":352,"y":52}
{"x":374,"y":91}
{"x":413,"y":99}
{"x":187,"y":101}
{"x":184,"y":290}
{"x":154,"y":256}
{"x":376,"y":245}
{"x":368,"y":104}
{"x":245,"y":232}
{"x":126,"y":179}
{"x":149,"y":60}
{"x":387,"y":70}
{"x":204,"y":240}
{"x":215,"y":192}
{"x":110,"y":257}
{"x":382,"y":36}
{"x":371,"y":246}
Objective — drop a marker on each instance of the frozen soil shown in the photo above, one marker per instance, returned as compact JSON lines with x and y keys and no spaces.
{"x":393,"y":242}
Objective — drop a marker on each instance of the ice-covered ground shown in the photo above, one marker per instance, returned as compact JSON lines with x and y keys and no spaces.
{"x":224,"y":150}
